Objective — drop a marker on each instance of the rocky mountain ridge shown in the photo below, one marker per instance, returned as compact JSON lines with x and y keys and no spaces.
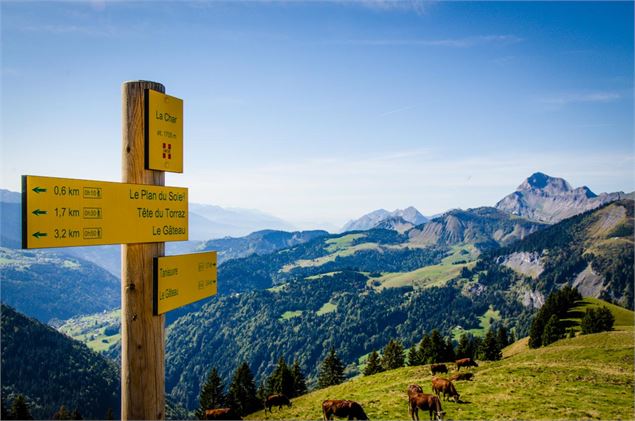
{"x":372,"y":219}
{"x":549,"y":199}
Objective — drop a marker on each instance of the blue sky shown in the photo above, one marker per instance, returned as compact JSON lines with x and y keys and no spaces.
{"x":318,"y":112}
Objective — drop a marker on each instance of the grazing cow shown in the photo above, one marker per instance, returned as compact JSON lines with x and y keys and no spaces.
{"x":465,"y":362}
{"x":425,"y":401}
{"x":446,"y":387}
{"x":221,"y":414}
{"x":438,"y":368}
{"x":461,"y":376}
{"x":342,"y":409}
{"x":276,"y":400}
{"x":413,"y":390}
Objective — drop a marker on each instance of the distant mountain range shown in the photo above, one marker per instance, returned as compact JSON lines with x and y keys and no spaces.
{"x":550,"y":199}
{"x":259,"y":242}
{"x":218,"y":222}
{"x":540,"y":198}
{"x":372,"y":219}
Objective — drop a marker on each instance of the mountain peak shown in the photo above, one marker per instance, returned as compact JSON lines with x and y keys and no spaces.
{"x":372,"y":219}
{"x":550,"y":199}
{"x":541,"y":181}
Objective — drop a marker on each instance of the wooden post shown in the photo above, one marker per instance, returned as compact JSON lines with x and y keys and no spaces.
{"x":142,"y":334}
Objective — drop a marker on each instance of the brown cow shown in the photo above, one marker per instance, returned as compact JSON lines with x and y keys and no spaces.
{"x":221,"y":414}
{"x":413,"y":390}
{"x":342,"y":409}
{"x":465,"y":362}
{"x":276,"y":400}
{"x":461,"y":376}
{"x":425,"y":401}
{"x":438,"y":368}
{"x":446,"y":387}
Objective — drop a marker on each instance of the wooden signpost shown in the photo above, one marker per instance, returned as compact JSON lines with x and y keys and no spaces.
{"x":141,"y":214}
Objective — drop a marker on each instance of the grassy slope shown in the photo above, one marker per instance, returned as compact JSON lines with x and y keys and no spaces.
{"x":623,"y":317}
{"x":587,"y":377}
{"x":90,"y":329}
{"x":434,"y":275}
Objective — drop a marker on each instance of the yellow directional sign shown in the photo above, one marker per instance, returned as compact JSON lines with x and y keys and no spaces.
{"x":62,"y":212}
{"x":184,"y":279}
{"x":164,"y":132}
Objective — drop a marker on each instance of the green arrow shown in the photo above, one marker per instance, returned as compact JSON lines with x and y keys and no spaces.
{"x":39,"y":190}
{"x":40,"y":234}
{"x":38,"y":212}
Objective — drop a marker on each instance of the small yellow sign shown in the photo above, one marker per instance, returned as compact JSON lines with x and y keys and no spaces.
{"x":182,"y":280}
{"x":164,"y":132}
{"x":63,"y":212}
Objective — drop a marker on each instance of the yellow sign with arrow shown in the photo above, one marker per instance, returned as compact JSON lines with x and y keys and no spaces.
{"x":63,"y":212}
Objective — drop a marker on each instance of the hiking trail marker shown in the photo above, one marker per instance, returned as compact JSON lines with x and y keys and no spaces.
{"x":141,"y":214}
{"x":164,"y":132}
{"x":64,"y":212}
{"x":184,"y":279}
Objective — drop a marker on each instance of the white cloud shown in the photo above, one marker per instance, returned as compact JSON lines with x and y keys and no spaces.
{"x":563,"y":99}
{"x":465,"y":42}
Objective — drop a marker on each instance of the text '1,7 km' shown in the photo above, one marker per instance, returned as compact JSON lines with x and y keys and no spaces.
{"x":63,"y":212}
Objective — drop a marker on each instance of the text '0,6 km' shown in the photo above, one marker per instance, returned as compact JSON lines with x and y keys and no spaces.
{"x":63,"y":212}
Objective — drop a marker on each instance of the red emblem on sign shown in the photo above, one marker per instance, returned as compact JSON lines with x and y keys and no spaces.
{"x":167,"y":150}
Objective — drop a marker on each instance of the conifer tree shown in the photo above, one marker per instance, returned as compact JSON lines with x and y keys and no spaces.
{"x":448,"y":353}
{"x":331,"y":370}
{"x":465,"y":348}
{"x":299,"y":382}
{"x":281,"y":380}
{"x":425,"y":350}
{"x":212,"y":394}
{"x":61,"y":414}
{"x":437,"y":347}
{"x":597,"y":320}
{"x":552,"y":331}
{"x":414,"y":357}
{"x":512,"y":337}
{"x":20,"y":409}
{"x":501,"y":337}
{"x":242,"y":392}
{"x":261,"y":392}
{"x":392,"y":355}
{"x":373,"y":365}
{"x":490,"y":349}
{"x":4,"y":413}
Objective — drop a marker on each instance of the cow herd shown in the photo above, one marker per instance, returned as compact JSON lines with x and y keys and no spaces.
{"x":352,"y":410}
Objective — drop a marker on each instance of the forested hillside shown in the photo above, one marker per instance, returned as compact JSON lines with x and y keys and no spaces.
{"x":51,"y":370}
{"x":297,"y":320}
{"x":51,"y":286}
{"x":259,"y":242}
{"x":592,"y":251}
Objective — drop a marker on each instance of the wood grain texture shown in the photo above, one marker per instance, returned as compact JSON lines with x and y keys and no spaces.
{"x":142,"y":333}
